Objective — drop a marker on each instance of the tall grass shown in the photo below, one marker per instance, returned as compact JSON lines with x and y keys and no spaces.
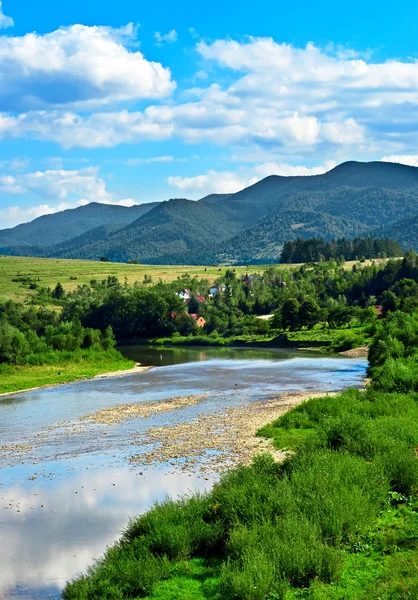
{"x":271,"y":529}
{"x":275,"y":528}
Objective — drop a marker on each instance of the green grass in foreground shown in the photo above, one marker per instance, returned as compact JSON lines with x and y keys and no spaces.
{"x":82,"y":365}
{"x":338,"y":520}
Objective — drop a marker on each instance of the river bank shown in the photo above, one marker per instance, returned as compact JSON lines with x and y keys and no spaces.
{"x":320,"y":339}
{"x":219,"y":441}
{"x":19,"y":378}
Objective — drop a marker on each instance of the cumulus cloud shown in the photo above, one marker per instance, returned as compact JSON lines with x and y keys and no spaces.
{"x":5,"y":21}
{"x":270,"y":96}
{"x":403,"y":159}
{"x":84,"y":66}
{"x":196,"y":122}
{"x":60,"y":189}
{"x":58,"y":184}
{"x":14,"y":215}
{"x":70,"y":129}
{"x":229,"y":182}
{"x":168,"y":38}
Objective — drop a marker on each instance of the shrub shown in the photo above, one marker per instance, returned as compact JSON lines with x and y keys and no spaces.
{"x":346,"y":340}
{"x":396,"y":375}
{"x":179,"y":529}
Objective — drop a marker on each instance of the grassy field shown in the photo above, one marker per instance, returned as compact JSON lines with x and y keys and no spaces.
{"x":71,"y":273}
{"x":23,"y":377}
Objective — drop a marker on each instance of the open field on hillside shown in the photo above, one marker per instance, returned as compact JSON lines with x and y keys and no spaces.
{"x":71,"y":273}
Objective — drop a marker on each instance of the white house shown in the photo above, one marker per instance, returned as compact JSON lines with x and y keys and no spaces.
{"x":184,"y":295}
{"x":216,"y":289}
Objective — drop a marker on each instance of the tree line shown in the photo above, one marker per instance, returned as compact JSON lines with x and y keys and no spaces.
{"x":318,"y":250}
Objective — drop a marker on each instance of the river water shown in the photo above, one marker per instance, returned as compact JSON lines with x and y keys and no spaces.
{"x":68,"y":489}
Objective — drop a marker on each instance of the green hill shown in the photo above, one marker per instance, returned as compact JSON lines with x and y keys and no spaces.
{"x":264,"y":241}
{"x":177,"y":226}
{"x":404,"y":231}
{"x":49,"y":230}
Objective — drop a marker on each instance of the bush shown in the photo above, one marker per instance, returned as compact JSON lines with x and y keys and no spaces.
{"x":179,"y":530}
{"x":347,"y":340}
{"x":13,"y":344}
{"x":396,"y":375}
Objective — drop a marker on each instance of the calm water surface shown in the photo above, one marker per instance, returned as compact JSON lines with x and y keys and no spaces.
{"x":66,"y":492}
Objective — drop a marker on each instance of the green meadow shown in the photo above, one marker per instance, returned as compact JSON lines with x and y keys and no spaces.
{"x":16,"y":273}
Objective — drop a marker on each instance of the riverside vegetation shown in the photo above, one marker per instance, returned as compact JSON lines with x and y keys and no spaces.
{"x":72,"y":332}
{"x":336,"y":520}
{"x":38,"y":348}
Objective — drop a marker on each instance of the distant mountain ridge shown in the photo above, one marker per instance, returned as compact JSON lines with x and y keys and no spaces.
{"x":353,"y":199}
{"x":59,"y":227}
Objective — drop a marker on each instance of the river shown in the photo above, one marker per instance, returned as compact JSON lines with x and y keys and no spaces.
{"x":68,"y":485}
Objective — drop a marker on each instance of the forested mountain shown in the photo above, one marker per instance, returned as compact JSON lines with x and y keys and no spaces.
{"x":177,"y":226}
{"x":49,"y":230}
{"x":405,"y":231}
{"x":264,"y":241}
{"x":354,"y":199}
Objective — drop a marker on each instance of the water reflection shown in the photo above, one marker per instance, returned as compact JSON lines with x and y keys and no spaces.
{"x":150,"y":356}
{"x":52,"y":529}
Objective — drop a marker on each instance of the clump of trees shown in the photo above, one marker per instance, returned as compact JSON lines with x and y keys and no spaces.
{"x":393,"y":354}
{"x":40,"y":336}
{"x":316,"y":249}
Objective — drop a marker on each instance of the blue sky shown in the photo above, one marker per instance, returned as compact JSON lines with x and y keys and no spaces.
{"x":132,"y":102}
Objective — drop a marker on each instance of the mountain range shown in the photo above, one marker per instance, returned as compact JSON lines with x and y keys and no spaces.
{"x":250,"y":226}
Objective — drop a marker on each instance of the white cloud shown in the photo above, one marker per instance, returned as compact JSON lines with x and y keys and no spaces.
{"x":146,"y":161}
{"x":201,"y":74}
{"x":168,"y":38}
{"x":219,"y":182}
{"x":58,"y":188}
{"x":405,"y":159}
{"x":197,"y":122}
{"x":58,"y":184}
{"x":5,"y":21}
{"x":70,"y":129}
{"x":193,"y":32}
{"x":229,"y":182}
{"x":283,"y":169}
{"x":85,"y":65}
{"x":14,"y":215}
{"x":269,"y":96}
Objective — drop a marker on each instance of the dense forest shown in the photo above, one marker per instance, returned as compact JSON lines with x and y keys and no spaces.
{"x":318,"y":250}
